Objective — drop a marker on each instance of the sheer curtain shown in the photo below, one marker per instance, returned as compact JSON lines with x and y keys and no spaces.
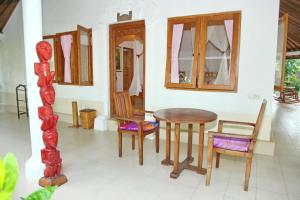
{"x":66,"y":41}
{"x":176,"y":41}
{"x":221,"y":38}
{"x":137,"y":80}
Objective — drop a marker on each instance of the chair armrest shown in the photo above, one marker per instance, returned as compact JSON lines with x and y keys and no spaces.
{"x":236,"y":122}
{"x":134,"y":119}
{"x":140,"y":112}
{"x":212,"y":134}
{"x":221,"y":122}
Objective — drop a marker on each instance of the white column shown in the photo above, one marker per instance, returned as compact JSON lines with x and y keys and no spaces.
{"x":32,"y":22}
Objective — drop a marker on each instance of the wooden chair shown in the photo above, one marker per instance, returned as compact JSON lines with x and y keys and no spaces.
{"x":233,"y":144}
{"x":133,"y":123}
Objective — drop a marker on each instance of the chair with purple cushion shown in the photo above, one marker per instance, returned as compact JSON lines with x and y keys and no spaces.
{"x":233,"y":144}
{"x":133,"y":123}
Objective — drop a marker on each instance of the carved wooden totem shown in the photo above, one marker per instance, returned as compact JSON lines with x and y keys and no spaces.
{"x":50,"y":155}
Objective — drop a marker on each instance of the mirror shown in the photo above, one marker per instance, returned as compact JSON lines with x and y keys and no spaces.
{"x":129,"y":70}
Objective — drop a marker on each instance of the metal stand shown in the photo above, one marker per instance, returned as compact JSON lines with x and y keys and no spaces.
{"x":23,"y":88}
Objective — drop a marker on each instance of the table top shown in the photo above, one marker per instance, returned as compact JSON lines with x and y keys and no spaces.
{"x":185,"y":115}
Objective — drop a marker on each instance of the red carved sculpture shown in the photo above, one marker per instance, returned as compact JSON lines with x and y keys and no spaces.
{"x":50,"y":155}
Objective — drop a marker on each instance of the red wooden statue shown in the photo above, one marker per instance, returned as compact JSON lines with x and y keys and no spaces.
{"x":50,"y":155}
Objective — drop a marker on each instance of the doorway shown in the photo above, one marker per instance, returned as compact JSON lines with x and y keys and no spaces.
{"x":127,"y":62}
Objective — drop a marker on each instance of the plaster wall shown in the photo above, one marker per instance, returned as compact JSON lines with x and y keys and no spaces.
{"x":256,"y":58}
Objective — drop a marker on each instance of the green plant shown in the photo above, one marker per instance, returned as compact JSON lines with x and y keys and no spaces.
{"x":41,"y":194}
{"x":9,"y":174}
{"x":292,"y":69}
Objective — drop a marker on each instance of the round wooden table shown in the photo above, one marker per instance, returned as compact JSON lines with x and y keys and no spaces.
{"x":189,"y":116}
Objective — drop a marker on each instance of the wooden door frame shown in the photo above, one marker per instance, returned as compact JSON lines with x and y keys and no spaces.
{"x":134,"y":30}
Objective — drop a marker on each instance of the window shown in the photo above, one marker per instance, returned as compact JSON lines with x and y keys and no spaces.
{"x":202,"y":52}
{"x":52,"y":62}
{"x":72,"y":56}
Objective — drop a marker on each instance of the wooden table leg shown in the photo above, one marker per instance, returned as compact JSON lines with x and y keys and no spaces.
{"x":176,"y":172}
{"x":166,"y":161}
{"x":200,"y":150}
{"x":190,"y":142}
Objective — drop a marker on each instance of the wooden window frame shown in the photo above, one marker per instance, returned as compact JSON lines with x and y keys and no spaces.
{"x":54,"y":53}
{"x":75,"y":57}
{"x":198,"y":82}
{"x":90,"y":56}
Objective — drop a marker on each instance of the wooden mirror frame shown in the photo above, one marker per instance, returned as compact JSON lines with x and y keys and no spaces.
{"x":128,"y":31}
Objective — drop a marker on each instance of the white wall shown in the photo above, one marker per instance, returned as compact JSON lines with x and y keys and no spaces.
{"x":12,"y":60}
{"x":256,"y":61}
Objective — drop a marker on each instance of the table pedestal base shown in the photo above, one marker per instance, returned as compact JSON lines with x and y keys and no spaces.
{"x":186,"y":164}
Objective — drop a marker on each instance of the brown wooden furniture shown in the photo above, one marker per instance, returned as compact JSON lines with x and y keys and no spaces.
{"x":87,"y":118}
{"x":200,"y":57}
{"x":118,"y":33}
{"x":288,"y":95}
{"x":228,"y":147}
{"x":189,"y":116}
{"x":133,"y":123}
{"x":81,"y":56}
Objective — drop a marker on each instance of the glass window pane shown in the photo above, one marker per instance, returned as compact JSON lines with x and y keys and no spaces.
{"x":51,"y":61}
{"x":182,"y":52}
{"x":218,"y":52}
{"x":84,"y":56}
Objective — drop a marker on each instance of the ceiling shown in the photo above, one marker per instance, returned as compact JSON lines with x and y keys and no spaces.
{"x":292,"y":7}
{"x":6,"y":9}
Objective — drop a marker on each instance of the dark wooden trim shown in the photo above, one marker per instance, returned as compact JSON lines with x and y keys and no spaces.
{"x":129,"y":30}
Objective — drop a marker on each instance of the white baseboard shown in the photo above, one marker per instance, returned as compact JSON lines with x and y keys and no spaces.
{"x":262,"y":147}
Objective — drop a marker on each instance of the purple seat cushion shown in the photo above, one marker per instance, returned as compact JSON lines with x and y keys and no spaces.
{"x":232,"y":143}
{"x":131,"y":126}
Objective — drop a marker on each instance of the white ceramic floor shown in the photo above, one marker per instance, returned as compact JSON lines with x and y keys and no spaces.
{"x":94,"y":170}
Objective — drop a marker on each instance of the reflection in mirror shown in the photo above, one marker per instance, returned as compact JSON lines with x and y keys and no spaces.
{"x":129,"y":69}
{"x":218,"y":52}
{"x":182,"y":54}
{"x":84,"y":56}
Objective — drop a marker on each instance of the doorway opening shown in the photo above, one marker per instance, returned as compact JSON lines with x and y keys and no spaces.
{"x":127,"y":62}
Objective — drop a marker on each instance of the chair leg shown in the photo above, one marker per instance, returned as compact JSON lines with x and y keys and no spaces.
{"x":120,"y":142}
{"x":132,"y":141}
{"x":218,"y":155}
{"x":140,"y":145}
{"x":209,"y":160}
{"x":157,"y":140}
{"x":247,"y":173}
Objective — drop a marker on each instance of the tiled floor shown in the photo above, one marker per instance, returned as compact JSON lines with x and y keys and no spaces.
{"x":95,"y":172}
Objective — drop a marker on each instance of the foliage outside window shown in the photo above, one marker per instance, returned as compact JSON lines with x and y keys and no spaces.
{"x":292,"y":73}
{"x":202,"y":52}
{"x":72,"y":57}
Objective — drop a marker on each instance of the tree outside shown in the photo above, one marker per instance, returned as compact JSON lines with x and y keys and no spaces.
{"x":292,"y":73}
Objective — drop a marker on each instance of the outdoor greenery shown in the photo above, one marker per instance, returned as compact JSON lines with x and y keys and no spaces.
{"x":292,"y":73}
{"x":9,"y":174}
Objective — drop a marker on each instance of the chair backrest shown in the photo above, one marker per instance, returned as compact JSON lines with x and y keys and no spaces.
{"x":259,"y":118}
{"x":123,"y":104}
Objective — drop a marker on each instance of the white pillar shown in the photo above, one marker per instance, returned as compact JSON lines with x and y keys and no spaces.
{"x":32,"y":22}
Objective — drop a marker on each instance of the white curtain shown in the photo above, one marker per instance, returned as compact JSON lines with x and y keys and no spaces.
{"x":66,"y":44}
{"x":218,"y":37}
{"x":176,"y":41}
{"x":137,"y":80}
